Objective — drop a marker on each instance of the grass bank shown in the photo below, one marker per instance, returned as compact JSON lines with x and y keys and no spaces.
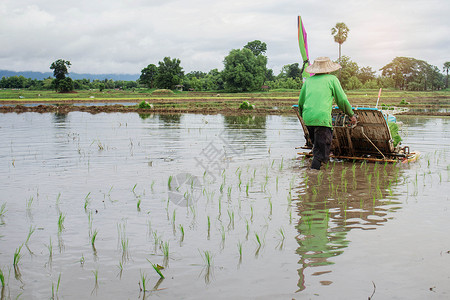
{"x":277,"y":102}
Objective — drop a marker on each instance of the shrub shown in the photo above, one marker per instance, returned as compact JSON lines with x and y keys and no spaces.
{"x":162,"y":92}
{"x":144,"y":104}
{"x":246,"y":105}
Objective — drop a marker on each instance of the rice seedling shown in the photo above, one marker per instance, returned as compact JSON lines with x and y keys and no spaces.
{"x":93,"y":238}
{"x":87,"y":201}
{"x":152,"y":185}
{"x":222,"y":233}
{"x":95,"y":272}
{"x":258,"y":240}
{"x":182,"y":232}
{"x":2,"y":278}
{"x":281,"y":164}
{"x":157,"y":239}
{"x":17,"y":256}
{"x":229,"y":191}
{"x":30,"y":232}
{"x":247,"y":228}
{"x":143,"y":281}
{"x":165,"y":250}
{"x":246,"y":188}
{"x":276,"y":183}
{"x":3,"y":210}
{"x":120,"y":267}
{"x":169,"y":182}
{"x":208,"y":226}
{"x":231,"y":218}
{"x":30,"y":202}
{"x":251,"y":213}
{"x":239,"y":245}
{"x":61,"y":219}
{"x":134,"y":187}
{"x":157,"y":269}
{"x":138,"y":203}
{"x":90,"y":220}
{"x":55,"y":293}
{"x":174,"y":216}
{"x":50,"y":249}
{"x":270,"y":206}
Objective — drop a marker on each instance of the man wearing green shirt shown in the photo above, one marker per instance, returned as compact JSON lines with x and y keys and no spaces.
{"x":315,"y":105}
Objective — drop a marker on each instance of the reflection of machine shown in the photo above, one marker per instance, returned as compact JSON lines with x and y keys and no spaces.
{"x":369,"y":140}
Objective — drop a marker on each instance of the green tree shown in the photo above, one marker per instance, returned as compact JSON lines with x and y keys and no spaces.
{"x":349,"y":69}
{"x":408,"y":71}
{"x":243,"y":71}
{"x":170,"y":73}
{"x":340,"y":33}
{"x":65,"y":85}
{"x":290,"y":71}
{"x":257,"y":47}
{"x":214,"y":80}
{"x":365,"y":74}
{"x":446,"y":68}
{"x":148,"y":75}
{"x":60,"y":69}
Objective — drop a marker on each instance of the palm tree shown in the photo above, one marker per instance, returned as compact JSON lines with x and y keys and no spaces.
{"x":446,"y":68}
{"x":340,"y":33}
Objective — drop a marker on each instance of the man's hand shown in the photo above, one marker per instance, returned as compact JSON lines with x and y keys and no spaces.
{"x":353,"y":120}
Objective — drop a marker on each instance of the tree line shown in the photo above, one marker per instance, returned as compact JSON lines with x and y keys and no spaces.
{"x":246,"y":70}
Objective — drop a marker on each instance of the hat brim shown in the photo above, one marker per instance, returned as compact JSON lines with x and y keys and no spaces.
{"x":328,"y":67}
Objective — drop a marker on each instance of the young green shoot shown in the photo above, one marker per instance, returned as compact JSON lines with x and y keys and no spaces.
{"x":138,"y":203}
{"x":169,"y":182}
{"x":157,"y":269}
{"x":182,"y":232}
{"x":143,"y":281}
{"x":239,"y":245}
{"x":258,"y":240}
{"x":30,"y":202}
{"x":61,"y":219}
{"x":30,"y":232}
{"x":17,"y":256}
{"x":87,"y":201}
{"x":207,"y":257}
{"x":3,"y":210}
{"x":209,"y":225}
{"x":165,"y":250}
{"x":94,"y":236}
{"x":2,"y":278}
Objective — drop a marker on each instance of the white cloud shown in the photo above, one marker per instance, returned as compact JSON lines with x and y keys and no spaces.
{"x":110,"y":36}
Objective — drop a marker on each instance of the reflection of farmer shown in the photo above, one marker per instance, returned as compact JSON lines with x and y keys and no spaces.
{"x":315,"y":105}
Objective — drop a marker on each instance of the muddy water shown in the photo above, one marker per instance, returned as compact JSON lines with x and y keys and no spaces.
{"x":222,"y":204}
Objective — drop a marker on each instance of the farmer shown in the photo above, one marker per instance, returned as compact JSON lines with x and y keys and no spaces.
{"x":315,"y":104}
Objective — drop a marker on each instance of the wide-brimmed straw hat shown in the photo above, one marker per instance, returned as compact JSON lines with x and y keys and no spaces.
{"x":322,"y":65}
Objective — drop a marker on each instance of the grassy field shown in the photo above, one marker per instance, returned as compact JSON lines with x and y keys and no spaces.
{"x":281,"y":100}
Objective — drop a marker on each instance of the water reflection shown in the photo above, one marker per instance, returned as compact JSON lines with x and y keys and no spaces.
{"x":60,"y":118}
{"x":330,"y":203}
{"x":246,"y":121}
{"x":170,"y":119}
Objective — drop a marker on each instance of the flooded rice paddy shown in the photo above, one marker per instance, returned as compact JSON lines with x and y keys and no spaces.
{"x":128,"y":206}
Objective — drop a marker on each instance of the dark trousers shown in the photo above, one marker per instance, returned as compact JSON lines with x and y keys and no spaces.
{"x":321,"y":138}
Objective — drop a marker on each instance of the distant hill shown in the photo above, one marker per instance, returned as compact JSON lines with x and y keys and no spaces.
{"x":41,"y":75}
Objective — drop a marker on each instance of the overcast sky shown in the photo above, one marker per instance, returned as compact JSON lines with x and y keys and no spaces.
{"x":124,"y":36}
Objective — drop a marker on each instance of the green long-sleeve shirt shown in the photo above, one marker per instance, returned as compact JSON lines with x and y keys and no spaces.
{"x":316,"y":100}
